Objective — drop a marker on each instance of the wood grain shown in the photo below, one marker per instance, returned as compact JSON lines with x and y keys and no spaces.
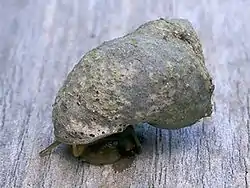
{"x":41,"y":41}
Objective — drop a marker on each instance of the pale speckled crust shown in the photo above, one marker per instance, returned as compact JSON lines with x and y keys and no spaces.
{"x":156,"y":74}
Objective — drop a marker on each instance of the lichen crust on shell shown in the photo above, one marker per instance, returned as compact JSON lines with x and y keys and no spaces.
{"x":155,"y":74}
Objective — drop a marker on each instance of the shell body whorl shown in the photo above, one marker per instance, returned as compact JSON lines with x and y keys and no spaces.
{"x":155,"y":74}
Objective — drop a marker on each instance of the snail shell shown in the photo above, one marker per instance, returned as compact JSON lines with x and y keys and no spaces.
{"x":155,"y":74}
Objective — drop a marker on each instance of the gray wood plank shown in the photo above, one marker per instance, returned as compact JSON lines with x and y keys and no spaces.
{"x":41,"y":41}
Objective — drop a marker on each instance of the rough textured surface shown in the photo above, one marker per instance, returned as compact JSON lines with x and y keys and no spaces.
{"x":42,"y":40}
{"x":155,"y":75}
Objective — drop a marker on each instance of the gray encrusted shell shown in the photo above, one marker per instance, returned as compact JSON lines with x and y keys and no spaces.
{"x":155,"y":74}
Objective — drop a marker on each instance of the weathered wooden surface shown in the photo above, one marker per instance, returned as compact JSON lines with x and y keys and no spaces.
{"x":42,"y":40}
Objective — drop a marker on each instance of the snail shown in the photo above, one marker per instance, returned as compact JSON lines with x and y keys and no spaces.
{"x":155,"y":74}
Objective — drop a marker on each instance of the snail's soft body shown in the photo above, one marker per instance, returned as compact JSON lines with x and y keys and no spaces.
{"x":110,"y":149}
{"x":155,"y":74}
